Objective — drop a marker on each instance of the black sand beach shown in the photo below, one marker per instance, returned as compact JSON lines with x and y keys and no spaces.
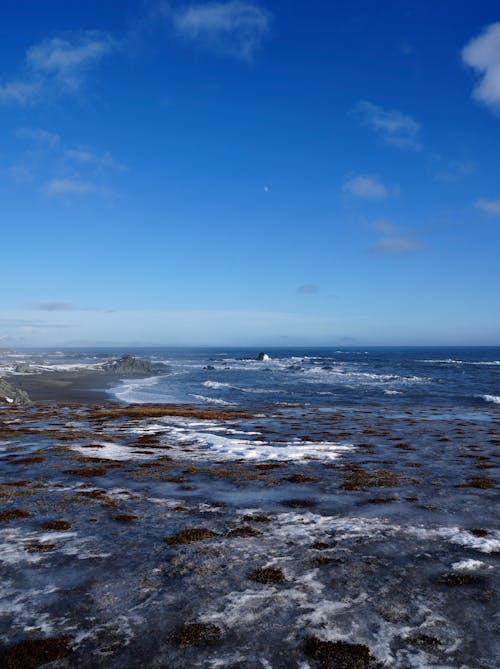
{"x":73,"y":387}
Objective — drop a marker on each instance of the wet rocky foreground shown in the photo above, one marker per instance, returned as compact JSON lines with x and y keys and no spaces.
{"x":289,"y":537}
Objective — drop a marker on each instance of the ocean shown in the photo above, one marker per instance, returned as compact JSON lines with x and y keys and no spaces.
{"x":321,"y":508}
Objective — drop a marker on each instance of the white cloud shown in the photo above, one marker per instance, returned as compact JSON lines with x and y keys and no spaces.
{"x":235,"y":28}
{"x":67,"y":60}
{"x":489,"y":206}
{"x":58,"y":65}
{"x":366,"y":187}
{"x":394,"y":127}
{"x":396,"y":245}
{"x":482,"y":54}
{"x":71,"y":186}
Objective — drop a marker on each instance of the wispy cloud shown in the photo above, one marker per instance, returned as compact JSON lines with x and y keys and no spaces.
{"x":58,"y":169}
{"x":454,"y":172}
{"x":88,"y":156}
{"x":31,"y":323}
{"x":38,"y":135}
{"x":489,"y":206}
{"x":52,"y":306}
{"x":71,"y":186}
{"x":61,"y":306}
{"x":482,"y":54}
{"x":394,"y":240}
{"x":235,"y":28}
{"x":396,"y":245}
{"x":59,"y":65}
{"x":308,"y":289}
{"x":19,"y":92}
{"x":366,"y":187}
{"x":392,"y":126}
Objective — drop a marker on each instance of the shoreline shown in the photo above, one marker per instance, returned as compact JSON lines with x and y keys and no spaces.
{"x":80,"y":387}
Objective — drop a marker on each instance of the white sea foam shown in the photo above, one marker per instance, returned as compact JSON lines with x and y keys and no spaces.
{"x":15,"y":542}
{"x":108,"y":450}
{"x":467,"y":565}
{"x":495,"y":399}
{"x":211,"y":400}
{"x":301,"y":527}
{"x":205,"y":444}
{"x":138,"y":391}
{"x":216,"y":385}
{"x":454,"y":361}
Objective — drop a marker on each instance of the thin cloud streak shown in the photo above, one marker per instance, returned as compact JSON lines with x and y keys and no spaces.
{"x":396,"y":245}
{"x":392,"y":126}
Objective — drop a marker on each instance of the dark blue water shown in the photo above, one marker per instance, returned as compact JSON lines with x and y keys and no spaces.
{"x":444,"y":377}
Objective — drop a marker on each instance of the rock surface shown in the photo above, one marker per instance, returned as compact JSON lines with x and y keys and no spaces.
{"x":262,"y":356}
{"x":129,"y":365}
{"x":9,"y":394}
{"x":23,"y":368}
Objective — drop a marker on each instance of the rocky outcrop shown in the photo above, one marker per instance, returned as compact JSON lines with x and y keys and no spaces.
{"x":9,"y":394}
{"x":129,"y":365}
{"x":23,"y":368}
{"x":262,"y":357}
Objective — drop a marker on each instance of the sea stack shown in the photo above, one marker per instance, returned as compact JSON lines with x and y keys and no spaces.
{"x":128,"y":365}
{"x":262,"y":357}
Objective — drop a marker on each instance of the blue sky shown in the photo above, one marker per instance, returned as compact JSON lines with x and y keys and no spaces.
{"x":250,"y":173}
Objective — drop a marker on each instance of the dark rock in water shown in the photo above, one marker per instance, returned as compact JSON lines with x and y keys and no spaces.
{"x":129,"y":365}
{"x":9,"y":394}
{"x":267,"y":575}
{"x":23,"y":368}
{"x":35,"y":652}
{"x":262,"y":356}
{"x":210,"y":367}
{"x":196,"y":634}
{"x":338,"y":654}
